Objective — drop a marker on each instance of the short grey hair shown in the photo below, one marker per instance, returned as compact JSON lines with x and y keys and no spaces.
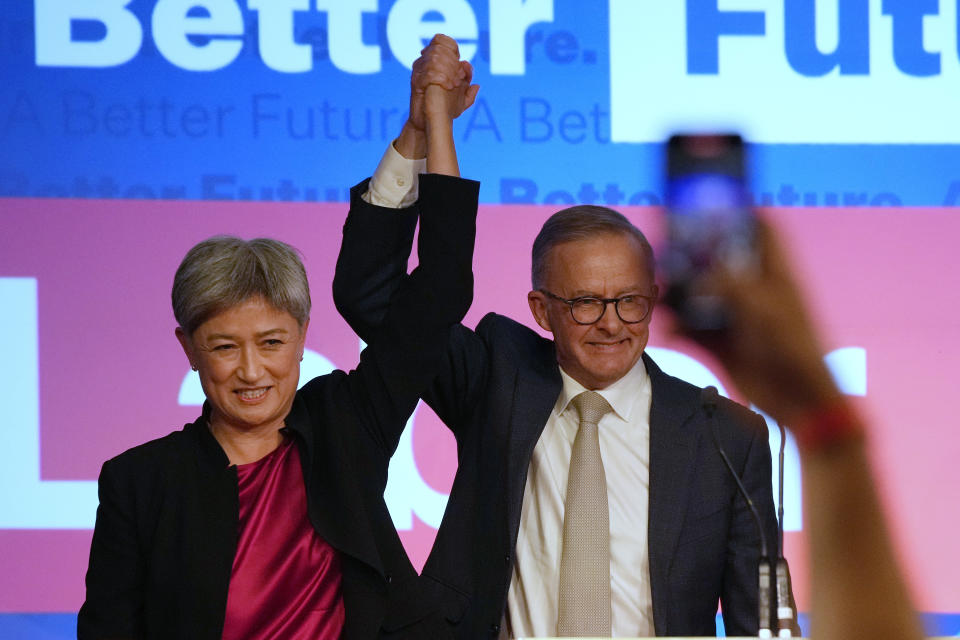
{"x":224,"y":271}
{"x":582,"y":222}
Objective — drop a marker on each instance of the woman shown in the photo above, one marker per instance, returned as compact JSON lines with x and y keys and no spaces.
{"x":265,"y":517}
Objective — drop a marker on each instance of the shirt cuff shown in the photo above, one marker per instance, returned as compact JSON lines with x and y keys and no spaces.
{"x":395,"y":183}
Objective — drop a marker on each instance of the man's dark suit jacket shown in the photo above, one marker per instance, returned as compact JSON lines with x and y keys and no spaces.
{"x":496,"y":391}
{"x":167,"y":524}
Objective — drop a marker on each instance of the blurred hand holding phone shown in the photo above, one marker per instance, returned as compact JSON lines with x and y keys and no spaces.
{"x":710,"y":225}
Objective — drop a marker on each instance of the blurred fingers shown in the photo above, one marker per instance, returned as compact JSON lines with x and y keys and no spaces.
{"x":470,"y":96}
{"x":445,"y":42}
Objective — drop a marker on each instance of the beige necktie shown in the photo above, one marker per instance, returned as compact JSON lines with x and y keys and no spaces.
{"x":585,"y":561}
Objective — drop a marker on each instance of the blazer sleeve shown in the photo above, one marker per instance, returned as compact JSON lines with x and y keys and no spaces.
{"x":407,"y":347}
{"x":372,"y":263}
{"x":372,"y":270}
{"x":115,"y":591}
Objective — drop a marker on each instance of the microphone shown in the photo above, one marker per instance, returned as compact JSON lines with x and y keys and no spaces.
{"x":786,"y":609}
{"x":708,"y":399}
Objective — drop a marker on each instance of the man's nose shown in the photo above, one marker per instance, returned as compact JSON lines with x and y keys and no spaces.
{"x":609,"y":321}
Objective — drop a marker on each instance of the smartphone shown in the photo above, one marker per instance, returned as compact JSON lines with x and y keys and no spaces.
{"x":710,"y":223}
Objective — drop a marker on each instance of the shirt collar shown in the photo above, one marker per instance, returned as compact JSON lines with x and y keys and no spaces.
{"x":623,"y":395}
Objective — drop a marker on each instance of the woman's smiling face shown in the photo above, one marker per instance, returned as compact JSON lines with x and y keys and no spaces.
{"x":248,"y":358}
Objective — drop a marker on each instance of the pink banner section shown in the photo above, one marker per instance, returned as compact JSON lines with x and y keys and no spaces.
{"x":87,"y":284}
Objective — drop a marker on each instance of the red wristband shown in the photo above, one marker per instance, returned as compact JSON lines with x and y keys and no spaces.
{"x":825,"y":427}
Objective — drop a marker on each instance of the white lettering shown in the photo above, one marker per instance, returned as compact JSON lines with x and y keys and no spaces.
{"x":56,"y":47}
{"x":408,"y":32}
{"x":345,"y":35}
{"x":172,"y":28}
{"x":682,"y":366}
{"x":509,"y":20}
{"x":277,"y":47}
{"x":206,"y":35}
{"x":26,"y":500}
{"x":848,"y":366}
{"x":853,"y":70}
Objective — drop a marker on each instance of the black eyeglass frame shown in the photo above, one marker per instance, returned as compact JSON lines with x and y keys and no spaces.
{"x":570,"y":302}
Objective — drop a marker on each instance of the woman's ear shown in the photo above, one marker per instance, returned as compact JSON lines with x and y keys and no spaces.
{"x":187,"y":346}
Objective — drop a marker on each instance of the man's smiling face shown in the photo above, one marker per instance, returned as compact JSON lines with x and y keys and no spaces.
{"x":610,"y":265}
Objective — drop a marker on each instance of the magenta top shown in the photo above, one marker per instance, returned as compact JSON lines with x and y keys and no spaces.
{"x":285,"y":581}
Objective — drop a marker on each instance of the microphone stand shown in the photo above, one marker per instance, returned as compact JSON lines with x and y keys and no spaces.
{"x":708,"y":399}
{"x":786,"y":609}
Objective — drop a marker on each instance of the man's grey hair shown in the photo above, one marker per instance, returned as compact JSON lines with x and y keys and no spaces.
{"x":581,"y":222}
{"x":224,"y":271}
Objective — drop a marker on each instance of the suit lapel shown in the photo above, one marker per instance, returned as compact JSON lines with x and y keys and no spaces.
{"x":674,"y":438}
{"x":535,"y":392}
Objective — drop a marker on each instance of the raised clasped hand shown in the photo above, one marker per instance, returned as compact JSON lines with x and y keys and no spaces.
{"x":439,"y":65}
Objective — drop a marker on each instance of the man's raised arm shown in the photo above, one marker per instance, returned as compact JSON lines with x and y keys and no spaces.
{"x":378,"y":234}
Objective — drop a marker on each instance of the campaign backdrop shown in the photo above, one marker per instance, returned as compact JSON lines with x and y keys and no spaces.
{"x":129,"y":131}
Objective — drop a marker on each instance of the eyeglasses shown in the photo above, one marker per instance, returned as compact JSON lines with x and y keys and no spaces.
{"x":588,"y":310}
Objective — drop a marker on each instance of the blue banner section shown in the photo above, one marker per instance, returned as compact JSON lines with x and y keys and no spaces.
{"x":943,"y":624}
{"x":803,"y":619}
{"x":38,"y":626}
{"x":243,"y":100}
{"x":62,"y":626}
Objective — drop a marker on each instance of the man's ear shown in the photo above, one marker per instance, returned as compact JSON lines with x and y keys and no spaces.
{"x":185,"y":343}
{"x":538,"y":307}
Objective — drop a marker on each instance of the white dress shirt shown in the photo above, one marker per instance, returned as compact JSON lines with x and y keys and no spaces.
{"x":532,"y":602}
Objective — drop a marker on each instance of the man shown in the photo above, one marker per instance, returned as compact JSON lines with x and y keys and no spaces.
{"x":679,"y":538}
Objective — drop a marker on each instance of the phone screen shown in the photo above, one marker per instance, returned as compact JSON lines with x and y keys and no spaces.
{"x":710,"y":222}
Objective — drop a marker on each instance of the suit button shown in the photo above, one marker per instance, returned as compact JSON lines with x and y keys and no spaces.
{"x":506,"y":558}
{"x":389,"y":577}
{"x":494,"y":629}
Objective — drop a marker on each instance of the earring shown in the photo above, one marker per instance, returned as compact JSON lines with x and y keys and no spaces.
{"x":193,"y":366}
